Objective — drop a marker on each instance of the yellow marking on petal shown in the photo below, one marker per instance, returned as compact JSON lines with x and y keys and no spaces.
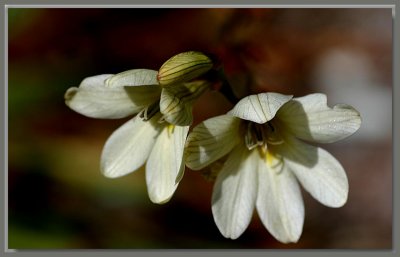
{"x":274,"y":161}
{"x":269,"y":158}
{"x":170,"y":129}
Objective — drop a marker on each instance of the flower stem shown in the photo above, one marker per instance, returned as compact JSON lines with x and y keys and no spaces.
{"x":217,"y":75}
{"x":227,"y":91}
{"x":224,"y":87}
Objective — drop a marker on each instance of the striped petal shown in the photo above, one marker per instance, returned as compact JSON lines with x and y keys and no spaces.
{"x":311,"y":119}
{"x":165,"y":165}
{"x":318,"y":172}
{"x":235,"y":191}
{"x":95,"y":99}
{"x":127,"y":149}
{"x":279,"y":202}
{"x":259,"y":108}
{"x":176,"y":102}
{"x":211,"y":140}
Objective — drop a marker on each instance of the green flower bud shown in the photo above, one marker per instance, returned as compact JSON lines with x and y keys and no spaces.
{"x":183,"y":67}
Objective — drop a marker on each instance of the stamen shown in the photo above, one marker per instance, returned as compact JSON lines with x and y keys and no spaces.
{"x":141,"y":113}
{"x":261,"y":135}
{"x":161,"y":120}
{"x":270,"y":126}
{"x":273,"y":137}
{"x":275,"y":141}
{"x":148,"y":112}
{"x":250,"y":138}
{"x":264,"y":150}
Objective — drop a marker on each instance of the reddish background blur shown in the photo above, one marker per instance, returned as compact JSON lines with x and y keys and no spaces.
{"x":59,"y":199}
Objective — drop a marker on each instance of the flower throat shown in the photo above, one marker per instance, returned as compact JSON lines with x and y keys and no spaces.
{"x":261,"y":135}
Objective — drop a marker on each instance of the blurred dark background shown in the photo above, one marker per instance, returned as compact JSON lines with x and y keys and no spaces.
{"x":57,"y":196}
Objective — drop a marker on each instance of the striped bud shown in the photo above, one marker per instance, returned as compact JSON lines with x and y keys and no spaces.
{"x":183,"y":67}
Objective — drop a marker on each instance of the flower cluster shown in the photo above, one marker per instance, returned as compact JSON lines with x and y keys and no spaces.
{"x":156,"y":136}
{"x":261,"y":141}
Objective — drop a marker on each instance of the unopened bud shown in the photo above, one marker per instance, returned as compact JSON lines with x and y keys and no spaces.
{"x":183,"y":67}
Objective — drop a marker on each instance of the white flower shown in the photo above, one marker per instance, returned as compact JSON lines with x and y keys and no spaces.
{"x":263,"y":137}
{"x":156,"y":135}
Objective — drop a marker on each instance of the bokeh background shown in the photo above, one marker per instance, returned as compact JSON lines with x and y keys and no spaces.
{"x":57,"y":197}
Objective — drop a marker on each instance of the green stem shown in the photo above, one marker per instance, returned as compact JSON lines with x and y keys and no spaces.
{"x":226,"y":88}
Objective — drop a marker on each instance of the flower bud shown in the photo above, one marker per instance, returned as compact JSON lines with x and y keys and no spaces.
{"x":183,"y":67}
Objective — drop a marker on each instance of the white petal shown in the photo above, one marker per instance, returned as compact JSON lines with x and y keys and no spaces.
{"x":128,"y":147}
{"x":94,"y":81}
{"x":176,"y":102}
{"x":311,"y":119}
{"x":175,"y":111}
{"x":279,"y":202}
{"x":211,"y":140}
{"x":259,"y":108}
{"x":235,"y":192}
{"x":95,"y":99}
{"x":136,"y":77}
{"x":165,"y":165}
{"x":318,"y":172}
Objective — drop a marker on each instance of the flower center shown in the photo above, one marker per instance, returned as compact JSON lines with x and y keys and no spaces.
{"x":264,"y":136}
{"x":261,"y":135}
